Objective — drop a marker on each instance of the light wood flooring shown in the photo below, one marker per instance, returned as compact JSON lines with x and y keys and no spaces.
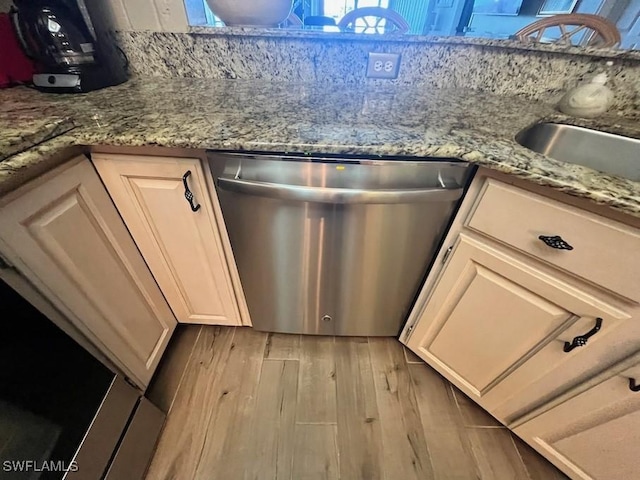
{"x":267,"y":406}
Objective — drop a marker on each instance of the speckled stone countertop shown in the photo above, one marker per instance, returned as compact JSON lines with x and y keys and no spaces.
{"x":310,"y":32}
{"x":20,"y":132}
{"x":286,"y":117}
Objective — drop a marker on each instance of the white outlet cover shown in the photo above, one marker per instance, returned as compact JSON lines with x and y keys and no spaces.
{"x":383,"y":65}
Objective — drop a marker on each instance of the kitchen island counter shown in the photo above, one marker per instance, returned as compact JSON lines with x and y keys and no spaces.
{"x":469,"y":125}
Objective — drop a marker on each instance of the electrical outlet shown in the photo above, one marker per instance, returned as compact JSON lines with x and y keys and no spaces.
{"x":383,"y":65}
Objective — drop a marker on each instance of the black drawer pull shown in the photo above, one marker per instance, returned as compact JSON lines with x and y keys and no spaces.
{"x":188,"y":194}
{"x":581,"y":340}
{"x":555,"y":241}
{"x":632,"y":385}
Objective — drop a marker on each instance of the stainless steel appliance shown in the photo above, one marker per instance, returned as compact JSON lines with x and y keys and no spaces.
{"x":63,"y":413}
{"x":71,"y":55}
{"x":334,"y":246}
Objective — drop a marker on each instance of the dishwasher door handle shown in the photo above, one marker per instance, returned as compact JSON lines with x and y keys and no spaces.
{"x":338,"y":195}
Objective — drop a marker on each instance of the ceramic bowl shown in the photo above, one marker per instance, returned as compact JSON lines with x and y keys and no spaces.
{"x":263,"y":13}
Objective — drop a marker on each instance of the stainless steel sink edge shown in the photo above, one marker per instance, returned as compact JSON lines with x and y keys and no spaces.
{"x":601,"y":151}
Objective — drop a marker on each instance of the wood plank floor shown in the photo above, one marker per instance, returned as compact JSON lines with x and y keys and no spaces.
{"x":260,"y":406}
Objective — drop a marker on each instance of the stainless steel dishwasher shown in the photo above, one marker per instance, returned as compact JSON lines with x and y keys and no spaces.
{"x":334,"y":246}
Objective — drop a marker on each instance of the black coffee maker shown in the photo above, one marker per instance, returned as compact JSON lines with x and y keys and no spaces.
{"x":70,"y":55}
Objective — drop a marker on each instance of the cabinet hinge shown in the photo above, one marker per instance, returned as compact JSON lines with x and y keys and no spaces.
{"x":446,"y":254}
{"x":131,"y":382}
{"x":4,"y":263}
{"x":408,"y":332}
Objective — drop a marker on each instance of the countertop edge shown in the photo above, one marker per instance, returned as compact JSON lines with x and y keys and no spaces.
{"x":19,"y":169}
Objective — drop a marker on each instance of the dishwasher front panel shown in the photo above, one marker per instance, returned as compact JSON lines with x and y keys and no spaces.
{"x":327,"y":247}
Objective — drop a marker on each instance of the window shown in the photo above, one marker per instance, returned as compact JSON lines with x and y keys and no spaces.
{"x":199,"y":13}
{"x":338,"y":8}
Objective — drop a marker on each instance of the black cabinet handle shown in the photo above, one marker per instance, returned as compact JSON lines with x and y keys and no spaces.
{"x":632,"y":385}
{"x":581,"y":340}
{"x":555,"y":241}
{"x":188,"y":194}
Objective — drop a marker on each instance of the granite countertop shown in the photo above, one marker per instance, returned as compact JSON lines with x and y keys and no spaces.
{"x":21,"y":132}
{"x":311,"y":32}
{"x":284,"y":117}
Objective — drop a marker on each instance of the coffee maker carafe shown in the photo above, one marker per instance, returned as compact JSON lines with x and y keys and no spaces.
{"x":70,"y":57}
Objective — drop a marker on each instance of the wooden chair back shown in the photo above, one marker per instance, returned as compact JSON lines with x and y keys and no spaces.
{"x":372,"y":18}
{"x":582,"y":28}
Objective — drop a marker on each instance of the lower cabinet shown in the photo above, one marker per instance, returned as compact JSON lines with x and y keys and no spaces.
{"x":500,"y":328}
{"x":594,"y":435}
{"x":529,"y":306}
{"x":64,"y":234}
{"x":170,"y":213}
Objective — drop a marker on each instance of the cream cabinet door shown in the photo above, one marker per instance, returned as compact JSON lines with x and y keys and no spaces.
{"x":182,"y":247}
{"x":66,"y":236}
{"x":594,"y":435}
{"x":496,"y":327}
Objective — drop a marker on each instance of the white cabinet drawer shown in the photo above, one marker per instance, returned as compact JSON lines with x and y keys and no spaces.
{"x":593,"y":435}
{"x":604,"y":252}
